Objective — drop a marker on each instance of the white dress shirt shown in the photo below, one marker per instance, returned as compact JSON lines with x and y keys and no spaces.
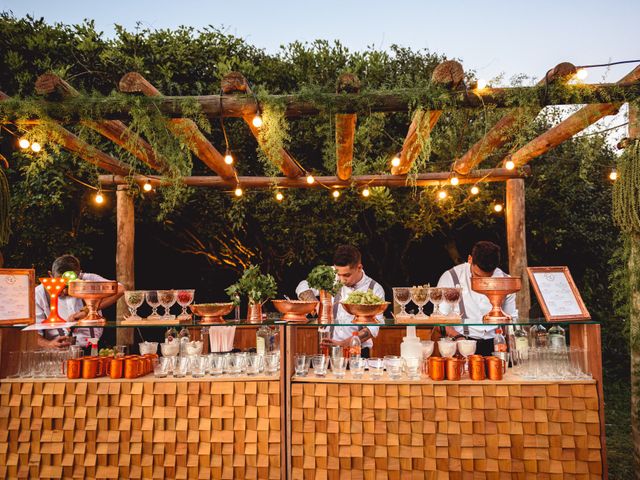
{"x":67,"y":306}
{"x":475,"y":304}
{"x":343,"y":333}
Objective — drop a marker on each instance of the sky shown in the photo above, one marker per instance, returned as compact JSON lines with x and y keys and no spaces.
{"x":490,"y":37}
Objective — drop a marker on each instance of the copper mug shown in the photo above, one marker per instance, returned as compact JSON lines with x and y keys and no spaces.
{"x":74,"y":368}
{"x":115,"y":367}
{"x":437,"y":368}
{"x":454,"y":368}
{"x":90,"y":367}
{"x":494,"y":368}
{"x":476,"y":367}
{"x":132,"y":367}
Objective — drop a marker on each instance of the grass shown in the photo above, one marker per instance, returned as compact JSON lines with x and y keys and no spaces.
{"x":617,"y":395}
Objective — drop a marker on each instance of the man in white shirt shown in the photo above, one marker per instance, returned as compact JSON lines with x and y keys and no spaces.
{"x":483,"y":262}
{"x":70,"y":308}
{"x":348,"y":264}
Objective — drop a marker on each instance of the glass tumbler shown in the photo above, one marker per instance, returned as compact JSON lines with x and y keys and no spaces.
{"x":319,"y":364}
{"x":254,"y":364}
{"x":356,"y":365}
{"x":394,"y":365}
{"x":338,"y":366}
{"x":271,"y":363}
{"x":302,"y":363}
{"x":376,"y":367}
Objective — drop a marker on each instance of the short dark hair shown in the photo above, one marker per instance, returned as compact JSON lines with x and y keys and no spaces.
{"x":65,"y":263}
{"x":347,"y":255}
{"x":486,"y":255}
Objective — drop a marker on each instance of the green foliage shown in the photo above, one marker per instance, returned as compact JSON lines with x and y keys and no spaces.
{"x":5,"y":203}
{"x":364,"y":298}
{"x":256,"y":286}
{"x":323,"y":277}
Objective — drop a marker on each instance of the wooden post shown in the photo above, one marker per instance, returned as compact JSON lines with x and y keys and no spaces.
{"x":517,"y":242}
{"x":125,"y":221}
{"x":346,"y":128}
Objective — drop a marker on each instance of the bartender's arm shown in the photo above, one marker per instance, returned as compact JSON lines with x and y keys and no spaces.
{"x":364,"y":334}
{"x":58,"y":342}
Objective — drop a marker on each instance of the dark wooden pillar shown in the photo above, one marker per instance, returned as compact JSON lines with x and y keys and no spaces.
{"x":125,"y":221}
{"x":517,"y":241}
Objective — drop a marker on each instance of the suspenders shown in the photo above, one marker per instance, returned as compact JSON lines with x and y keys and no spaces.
{"x":336,"y":305}
{"x":463,"y":313}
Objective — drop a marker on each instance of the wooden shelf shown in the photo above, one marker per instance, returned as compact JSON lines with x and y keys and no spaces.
{"x":148,"y":378}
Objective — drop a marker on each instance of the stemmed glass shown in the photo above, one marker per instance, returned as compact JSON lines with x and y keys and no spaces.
{"x":447,"y":347}
{"x":133,"y":299}
{"x":451,"y":298}
{"x":402,"y":295}
{"x":153,"y":301}
{"x":436,"y":295}
{"x":466,"y":348}
{"x":167,"y":299}
{"x":420,"y":296}
{"x":185,"y":298}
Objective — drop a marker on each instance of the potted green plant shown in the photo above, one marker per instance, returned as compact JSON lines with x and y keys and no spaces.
{"x":323,"y":278}
{"x":258,"y":288}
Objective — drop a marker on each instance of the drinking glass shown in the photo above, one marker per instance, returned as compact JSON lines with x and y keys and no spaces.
{"x":218,"y":363}
{"x":254,"y":364}
{"x":271,"y":363}
{"x":39,"y":364}
{"x":13,"y":370}
{"x":402,"y":295}
{"x":122,"y":350}
{"x":393,"y":364}
{"x":133,"y":299}
{"x":61,"y":361}
{"x":412,"y":366}
{"x":148,"y":347}
{"x":338,"y":366}
{"x":451,"y":297}
{"x":181,"y":367}
{"x":163,"y":367}
{"x":302,"y":365}
{"x":198,"y":365}
{"x":466,"y":348}
{"x":420,"y":296}
{"x":427,"y":351}
{"x":184,"y":299}
{"x":237,"y":364}
{"x":319,"y":363}
{"x":75,"y":351}
{"x":356,"y":365}
{"x":167,"y":298}
{"x":447,"y":347}
{"x":436,"y":296}
{"x":376,"y":367}
{"x":169,"y":349}
{"x":26,"y":364}
{"x":153,"y":301}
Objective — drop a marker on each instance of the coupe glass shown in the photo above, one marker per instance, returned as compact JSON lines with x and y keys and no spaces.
{"x":466,"y":348}
{"x":184,"y":299}
{"x":420,"y":296}
{"x":451,"y":297}
{"x":436,"y":296}
{"x":153,"y":301}
{"x":447,"y":347}
{"x":133,"y":299}
{"x":402,"y":295}
{"x":167,"y":299}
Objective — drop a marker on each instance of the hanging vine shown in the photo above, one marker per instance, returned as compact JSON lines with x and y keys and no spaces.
{"x":5,"y":203}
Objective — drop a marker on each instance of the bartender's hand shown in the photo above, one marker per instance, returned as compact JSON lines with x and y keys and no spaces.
{"x":328,"y":342}
{"x":451,"y":332}
{"x":58,"y":343}
{"x":79,"y":315}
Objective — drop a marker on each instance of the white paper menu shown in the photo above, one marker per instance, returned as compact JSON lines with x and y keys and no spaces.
{"x":557,"y":294}
{"x":15,"y":296}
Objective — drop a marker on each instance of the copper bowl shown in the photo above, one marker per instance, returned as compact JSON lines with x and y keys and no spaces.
{"x":365,"y":313}
{"x":294,"y":310}
{"x":496,"y":289}
{"x":92,"y":292}
{"x":212,"y":312}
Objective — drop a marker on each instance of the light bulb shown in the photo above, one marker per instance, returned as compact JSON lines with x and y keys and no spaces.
{"x":310,"y":179}
{"x":24,"y":143}
{"x":257,"y":121}
{"x":35,"y":146}
{"x":613,"y":175}
{"x":238,"y":192}
{"x":582,"y":73}
{"x":395,"y":161}
{"x":498,"y":207}
{"x":279,"y":196}
{"x":335,"y":194}
{"x":509,"y":165}
{"x":365,"y":192}
{"x":147,"y":186}
{"x":481,"y":84}
{"x":228,"y":159}
{"x":99,"y":198}
{"x":475,"y":190}
{"x":442,"y":194}
{"x":455,"y":180}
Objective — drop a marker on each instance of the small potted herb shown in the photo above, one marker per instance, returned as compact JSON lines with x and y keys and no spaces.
{"x":258,"y":288}
{"x":323,"y":278}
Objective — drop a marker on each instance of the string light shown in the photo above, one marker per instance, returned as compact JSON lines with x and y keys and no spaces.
{"x":310,"y":179}
{"x":36,"y":147}
{"x":613,"y":175}
{"x":99,"y":198}
{"x":365,"y":192}
{"x":147,"y":186}
{"x":228,"y":158}
{"x":582,"y":73}
{"x":442,"y":194}
{"x":257,"y":121}
{"x":454,"y":180}
{"x":509,"y":165}
{"x":336,"y":194}
{"x":498,"y":207}
{"x":279,"y":196}
{"x":395,"y":161}
{"x":24,"y":143}
{"x":238,"y":192}
{"x":475,"y":190}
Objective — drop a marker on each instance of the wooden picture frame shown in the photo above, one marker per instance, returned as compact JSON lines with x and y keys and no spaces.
{"x":16,"y":283}
{"x":557,"y":294}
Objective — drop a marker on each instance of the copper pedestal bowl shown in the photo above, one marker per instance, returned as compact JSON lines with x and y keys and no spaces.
{"x":365,"y":314}
{"x":92,"y":292}
{"x":496,"y":289}
{"x":295,"y":310}
{"x":211,"y":312}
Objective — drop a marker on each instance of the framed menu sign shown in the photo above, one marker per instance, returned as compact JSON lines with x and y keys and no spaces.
{"x":17,"y":296}
{"x":557,"y":294}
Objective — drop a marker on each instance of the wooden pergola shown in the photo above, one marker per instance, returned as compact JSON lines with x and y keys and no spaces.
{"x":62,"y":101}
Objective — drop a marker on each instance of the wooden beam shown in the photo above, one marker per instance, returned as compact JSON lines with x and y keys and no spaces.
{"x":125,"y":225}
{"x":73,"y":144}
{"x":183,"y":128}
{"x":236,"y":82}
{"x":517,"y":242}
{"x":346,"y":128}
{"x":449,"y":74}
{"x":573,"y":124}
{"x":503,"y":130}
{"x":298,"y":105}
{"x":116,"y":131}
{"x":422,"y":180}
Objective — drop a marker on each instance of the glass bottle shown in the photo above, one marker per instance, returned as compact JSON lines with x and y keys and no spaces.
{"x":499,"y":342}
{"x":184,"y":337}
{"x":170,"y":335}
{"x":557,"y":337}
{"x":521,"y":339}
{"x":542,"y":337}
{"x":262,"y":340}
{"x":355,"y":346}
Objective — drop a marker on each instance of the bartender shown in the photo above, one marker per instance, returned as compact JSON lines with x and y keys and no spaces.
{"x":70,"y":308}
{"x":347,"y":262}
{"x":483,"y":262}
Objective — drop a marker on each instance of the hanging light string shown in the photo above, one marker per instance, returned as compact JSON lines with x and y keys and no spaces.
{"x":597,"y":65}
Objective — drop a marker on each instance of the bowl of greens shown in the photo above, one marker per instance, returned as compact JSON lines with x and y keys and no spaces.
{"x":365,"y":306}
